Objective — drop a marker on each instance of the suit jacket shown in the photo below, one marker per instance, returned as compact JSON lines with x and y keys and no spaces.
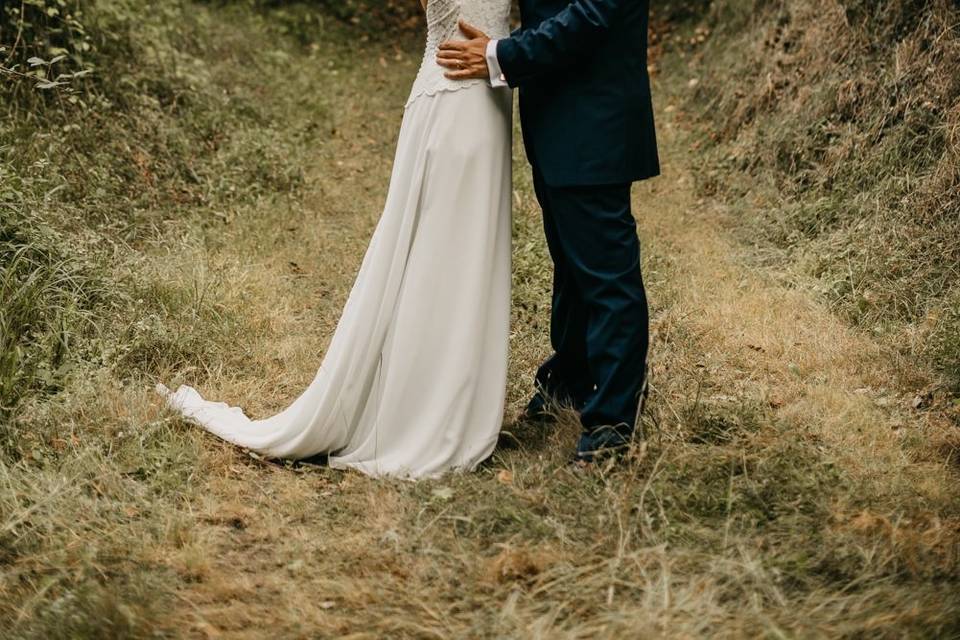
{"x":585,"y":105}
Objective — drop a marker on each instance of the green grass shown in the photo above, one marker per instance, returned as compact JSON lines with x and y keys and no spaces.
{"x":48,"y":295}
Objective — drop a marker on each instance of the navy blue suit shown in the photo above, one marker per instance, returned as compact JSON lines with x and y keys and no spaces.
{"x":584,"y":90}
{"x":587,"y":120}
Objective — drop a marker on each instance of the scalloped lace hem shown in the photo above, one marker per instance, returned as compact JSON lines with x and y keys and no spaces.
{"x":443,"y":88}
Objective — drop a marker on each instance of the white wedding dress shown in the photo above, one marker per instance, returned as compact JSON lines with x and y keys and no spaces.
{"x":414,"y":380}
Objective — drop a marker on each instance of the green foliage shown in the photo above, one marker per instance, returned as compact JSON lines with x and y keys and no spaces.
{"x":48,"y":294}
{"x":43,"y":42}
{"x":366,"y":16}
{"x":44,"y":29}
{"x":91,"y":169}
{"x":70,"y":56}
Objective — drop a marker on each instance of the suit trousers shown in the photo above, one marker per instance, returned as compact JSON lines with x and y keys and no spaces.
{"x":599,"y":320}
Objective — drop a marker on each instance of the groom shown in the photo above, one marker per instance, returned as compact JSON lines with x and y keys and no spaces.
{"x":588,"y":129}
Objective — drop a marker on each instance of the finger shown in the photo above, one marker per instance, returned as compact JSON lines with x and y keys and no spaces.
{"x":471,"y":31}
{"x":453,"y":46}
{"x":465,"y":74}
{"x":450,"y":63}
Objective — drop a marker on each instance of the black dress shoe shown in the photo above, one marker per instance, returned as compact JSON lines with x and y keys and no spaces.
{"x":538,"y":411}
{"x":602,"y":443}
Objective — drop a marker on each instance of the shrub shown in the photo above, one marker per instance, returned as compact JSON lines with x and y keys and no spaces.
{"x":44,"y":44}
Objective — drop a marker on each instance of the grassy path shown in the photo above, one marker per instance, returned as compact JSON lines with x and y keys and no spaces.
{"x":787,"y":488}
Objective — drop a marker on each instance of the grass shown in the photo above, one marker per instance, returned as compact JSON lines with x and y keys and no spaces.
{"x":789,"y":486}
{"x":837,"y":123}
{"x":46,"y":297}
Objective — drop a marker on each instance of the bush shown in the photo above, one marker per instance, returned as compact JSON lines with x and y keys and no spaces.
{"x":44,"y":44}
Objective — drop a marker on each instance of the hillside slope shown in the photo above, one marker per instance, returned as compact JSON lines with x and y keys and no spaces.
{"x":836,"y":123}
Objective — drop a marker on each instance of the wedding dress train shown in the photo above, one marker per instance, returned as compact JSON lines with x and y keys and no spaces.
{"x":414,"y":380}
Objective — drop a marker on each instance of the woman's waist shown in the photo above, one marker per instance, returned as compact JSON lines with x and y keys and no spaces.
{"x":432,"y":83}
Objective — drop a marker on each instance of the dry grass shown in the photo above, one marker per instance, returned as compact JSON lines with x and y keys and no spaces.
{"x":788,"y":487}
{"x":837,"y":122}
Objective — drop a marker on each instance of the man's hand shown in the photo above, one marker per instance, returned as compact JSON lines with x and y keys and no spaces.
{"x":466,"y":60}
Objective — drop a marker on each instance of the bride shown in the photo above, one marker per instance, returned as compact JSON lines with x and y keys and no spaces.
{"x":413,"y":383}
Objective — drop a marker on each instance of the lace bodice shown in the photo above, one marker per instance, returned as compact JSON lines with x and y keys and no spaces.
{"x":490,"y":16}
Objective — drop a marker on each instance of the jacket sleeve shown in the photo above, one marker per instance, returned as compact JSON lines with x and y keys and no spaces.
{"x":557,"y":42}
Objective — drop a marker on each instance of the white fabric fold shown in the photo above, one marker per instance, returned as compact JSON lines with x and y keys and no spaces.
{"x":413,"y":383}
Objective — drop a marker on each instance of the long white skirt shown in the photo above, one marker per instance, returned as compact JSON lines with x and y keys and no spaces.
{"x":414,"y":381}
